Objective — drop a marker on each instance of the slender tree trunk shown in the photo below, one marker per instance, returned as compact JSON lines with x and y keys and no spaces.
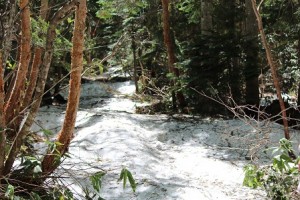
{"x":206,"y":17}
{"x":59,"y":16}
{"x":273,"y":69}
{"x":88,"y":54}
{"x":32,"y":77}
{"x":44,"y":9}
{"x":37,"y":60}
{"x":15,"y":100}
{"x":235,"y":71}
{"x":133,"y":46}
{"x":170,"y":49}
{"x":66,"y":133}
{"x":2,"y":119}
{"x":9,"y":31}
{"x":298,"y":54}
{"x":298,"y":96}
{"x":251,"y":71}
{"x":9,"y":79}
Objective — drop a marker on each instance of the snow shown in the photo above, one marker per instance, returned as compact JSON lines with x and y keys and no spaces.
{"x":171,"y":157}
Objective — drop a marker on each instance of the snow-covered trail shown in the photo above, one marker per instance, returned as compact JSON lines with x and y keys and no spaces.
{"x":171,"y":157}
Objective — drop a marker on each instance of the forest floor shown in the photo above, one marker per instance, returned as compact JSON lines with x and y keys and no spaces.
{"x":171,"y":157}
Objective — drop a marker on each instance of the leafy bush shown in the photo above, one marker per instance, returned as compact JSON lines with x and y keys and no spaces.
{"x":63,"y":192}
{"x":280,"y":178}
{"x":48,"y":193}
{"x":126,"y":174}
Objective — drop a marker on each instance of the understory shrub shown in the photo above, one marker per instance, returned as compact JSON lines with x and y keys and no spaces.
{"x":278,"y":179}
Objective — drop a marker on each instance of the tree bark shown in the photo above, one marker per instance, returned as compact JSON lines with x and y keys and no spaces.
{"x":235,"y":71}
{"x":37,"y":60}
{"x":272,"y":67}
{"x":298,"y":96}
{"x":2,"y":119}
{"x":44,"y":9}
{"x":135,"y":75}
{"x":59,"y":16}
{"x":170,"y":49}
{"x":66,"y":133}
{"x":32,"y":78}
{"x":206,"y":17}
{"x":298,"y":54}
{"x":8,"y":31}
{"x":251,"y":71}
{"x":15,"y":100}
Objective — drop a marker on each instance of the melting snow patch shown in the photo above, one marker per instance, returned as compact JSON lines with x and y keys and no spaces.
{"x":169,"y":158}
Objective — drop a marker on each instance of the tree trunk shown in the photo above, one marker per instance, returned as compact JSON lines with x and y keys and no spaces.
{"x":298,"y":96}
{"x":8,"y":31}
{"x":273,"y":69}
{"x":88,"y":54}
{"x":14,"y":102}
{"x":37,"y":60}
{"x":44,"y":9}
{"x":235,"y":71}
{"x":2,"y":119}
{"x":135,"y":76}
{"x":170,"y":50}
{"x":32,"y":77}
{"x":298,"y":54}
{"x":66,"y":133}
{"x":251,"y":71}
{"x":206,"y":17}
{"x":59,"y":16}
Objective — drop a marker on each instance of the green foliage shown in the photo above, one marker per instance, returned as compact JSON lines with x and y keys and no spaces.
{"x":31,"y":166}
{"x":124,"y":8}
{"x":278,"y":179}
{"x":62,"y":44}
{"x":35,"y":196}
{"x":126,"y":24}
{"x":96,"y":180}
{"x":191,"y":8}
{"x":60,"y":193}
{"x":126,"y":174}
{"x":210,"y":68}
{"x":39,"y":30}
{"x":47,"y":132}
{"x":213,"y":62}
{"x":10,"y":65}
{"x":252,"y":176}
{"x":10,"y":192}
{"x":282,"y":25}
{"x":52,"y":146}
{"x":96,"y":67}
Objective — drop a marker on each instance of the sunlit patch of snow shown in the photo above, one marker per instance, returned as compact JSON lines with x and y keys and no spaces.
{"x":118,"y":104}
{"x":170,"y":158}
{"x":125,"y":88}
{"x":49,"y":118}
